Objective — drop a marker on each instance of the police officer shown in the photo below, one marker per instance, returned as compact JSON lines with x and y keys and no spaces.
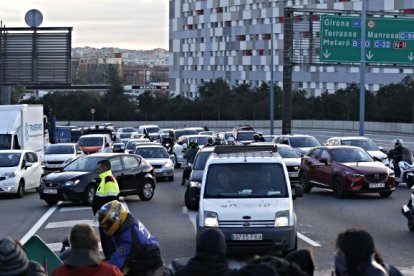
{"x":136,"y":251}
{"x":107,"y":191}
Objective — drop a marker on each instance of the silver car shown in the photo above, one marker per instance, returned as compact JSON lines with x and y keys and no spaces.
{"x":159,"y":159}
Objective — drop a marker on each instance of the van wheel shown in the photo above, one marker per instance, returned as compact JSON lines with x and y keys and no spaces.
{"x":20,"y":189}
{"x":88,"y":195}
{"x":146,"y":191}
{"x":190,"y":201}
{"x":304,"y":182}
{"x":338,"y":188}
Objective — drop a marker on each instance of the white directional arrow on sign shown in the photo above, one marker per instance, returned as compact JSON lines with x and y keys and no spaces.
{"x":326,"y":54}
{"x":369,"y":55}
{"x":411,"y":56}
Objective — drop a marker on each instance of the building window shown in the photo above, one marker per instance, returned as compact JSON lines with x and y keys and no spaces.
{"x":241,"y":38}
{"x":200,"y":12}
{"x":267,"y":36}
{"x":219,"y":9}
{"x":260,"y":52}
{"x":248,"y":52}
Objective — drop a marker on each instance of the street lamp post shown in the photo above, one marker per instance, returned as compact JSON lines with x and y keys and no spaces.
{"x":272,"y":86}
{"x":362,"y":71}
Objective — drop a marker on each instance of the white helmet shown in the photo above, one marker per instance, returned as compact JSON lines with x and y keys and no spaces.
{"x":230,"y":140}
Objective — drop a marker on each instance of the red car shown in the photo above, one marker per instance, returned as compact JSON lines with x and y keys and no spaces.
{"x":345,"y":170}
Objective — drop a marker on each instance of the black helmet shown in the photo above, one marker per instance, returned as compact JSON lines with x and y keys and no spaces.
{"x":256,"y":137}
{"x":210,"y":140}
{"x":398,"y":143}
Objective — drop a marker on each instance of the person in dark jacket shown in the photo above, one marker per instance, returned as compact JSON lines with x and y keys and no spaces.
{"x":210,"y":259}
{"x":136,"y":251}
{"x":356,"y":255}
{"x":400,"y":153}
{"x":189,"y":154}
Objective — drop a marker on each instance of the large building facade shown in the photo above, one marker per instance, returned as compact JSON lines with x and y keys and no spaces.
{"x":231,"y":39}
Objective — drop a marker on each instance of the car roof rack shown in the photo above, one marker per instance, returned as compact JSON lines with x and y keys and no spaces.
{"x":248,"y":148}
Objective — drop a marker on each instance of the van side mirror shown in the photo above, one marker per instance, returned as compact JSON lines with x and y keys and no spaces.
{"x":106,"y":145}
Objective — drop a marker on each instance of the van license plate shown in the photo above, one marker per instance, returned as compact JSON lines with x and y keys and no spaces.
{"x":50,"y":191}
{"x":247,"y":237}
{"x":377,"y":185}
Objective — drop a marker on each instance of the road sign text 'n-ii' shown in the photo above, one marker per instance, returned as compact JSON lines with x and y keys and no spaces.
{"x":388,"y":40}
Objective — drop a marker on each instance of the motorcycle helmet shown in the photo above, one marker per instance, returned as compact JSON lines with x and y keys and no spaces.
{"x":398,"y":143}
{"x":111,"y":216}
{"x":230,"y":141}
{"x":256,"y":137}
{"x":193,"y":141}
{"x":210,"y":140}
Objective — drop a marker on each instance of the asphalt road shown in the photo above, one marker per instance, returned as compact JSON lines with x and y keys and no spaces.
{"x":320,"y":216}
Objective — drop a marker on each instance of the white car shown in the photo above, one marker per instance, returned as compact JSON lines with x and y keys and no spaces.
{"x":20,"y":170}
{"x":130,"y":146}
{"x":359,"y":141}
{"x":159,"y":159}
{"x":59,"y":155}
{"x":181,"y":146}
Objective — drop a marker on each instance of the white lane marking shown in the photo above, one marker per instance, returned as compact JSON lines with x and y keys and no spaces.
{"x":39,"y":223}
{"x":70,"y":209}
{"x":193,"y":215}
{"x":308,"y":240}
{"x":57,"y":246}
{"x":70,"y":223}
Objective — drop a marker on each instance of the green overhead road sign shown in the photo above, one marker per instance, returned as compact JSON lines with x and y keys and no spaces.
{"x":388,"y":40}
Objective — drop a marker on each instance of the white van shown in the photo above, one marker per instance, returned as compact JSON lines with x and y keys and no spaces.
{"x":246,"y":193}
{"x":92,"y":143}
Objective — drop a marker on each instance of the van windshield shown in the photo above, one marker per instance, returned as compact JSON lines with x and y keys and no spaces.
{"x":201,"y":160}
{"x":59,"y":149}
{"x":245,"y":180}
{"x":90,"y":141}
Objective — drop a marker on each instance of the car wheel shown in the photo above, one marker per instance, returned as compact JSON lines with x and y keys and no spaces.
{"x":304,"y":182}
{"x":20,"y":189}
{"x":176,"y":164}
{"x":411,"y":225}
{"x":190,"y":202}
{"x":146,"y":191}
{"x":385,"y":194}
{"x":51,"y":202}
{"x":338,"y":188}
{"x":88,"y":195}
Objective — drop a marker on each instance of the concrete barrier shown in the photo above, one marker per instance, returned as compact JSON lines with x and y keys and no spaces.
{"x":263,"y":124}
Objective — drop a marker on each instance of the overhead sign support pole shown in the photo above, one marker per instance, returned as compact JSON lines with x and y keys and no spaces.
{"x":362,"y":70}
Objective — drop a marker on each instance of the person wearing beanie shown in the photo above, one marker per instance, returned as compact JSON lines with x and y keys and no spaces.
{"x":14,"y":261}
{"x":84,"y":258}
{"x":210,"y":259}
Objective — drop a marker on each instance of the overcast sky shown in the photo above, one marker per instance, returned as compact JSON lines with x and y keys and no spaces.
{"x":129,"y":24}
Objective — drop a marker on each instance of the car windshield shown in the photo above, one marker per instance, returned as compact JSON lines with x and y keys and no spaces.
{"x":201,"y":141}
{"x":83,"y":164}
{"x":350,"y":155}
{"x":152,"y":129}
{"x":9,"y":159}
{"x":304,"y":142}
{"x":179,"y":133}
{"x":245,"y":135}
{"x":365,"y":144}
{"x":288,"y":152}
{"x":128,"y":130}
{"x":125,"y":135}
{"x":60,"y":149}
{"x":90,"y":141}
{"x":152,"y":152}
{"x":245,"y":180}
{"x":201,"y":160}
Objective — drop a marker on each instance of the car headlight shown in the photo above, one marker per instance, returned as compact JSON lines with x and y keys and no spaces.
{"x":168,"y":164}
{"x":9,"y":175}
{"x":71,"y":182}
{"x":210,"y":219}
{"x":195,"y":184}
{"x":354,"y":175}
{"x":282,"y":219}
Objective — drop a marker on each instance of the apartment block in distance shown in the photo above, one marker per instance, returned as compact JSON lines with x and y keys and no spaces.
{"x":231,"y":39}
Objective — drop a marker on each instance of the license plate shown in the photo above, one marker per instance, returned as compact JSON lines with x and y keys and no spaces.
{"x":247,"y":237}
{"x":50,"y":191}
{"x":377,"y":185}
{"x":293,"y":174}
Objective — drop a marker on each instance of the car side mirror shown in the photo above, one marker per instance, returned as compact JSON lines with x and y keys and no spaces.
{"x":79,"y":152}
{"x":107,"y":145}
{"x":324,"y":160}
{"x":28,"y":164}
{"x":298,"y":191}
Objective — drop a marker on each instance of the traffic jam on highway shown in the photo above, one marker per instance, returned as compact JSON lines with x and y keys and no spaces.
{"x":247,"y":184}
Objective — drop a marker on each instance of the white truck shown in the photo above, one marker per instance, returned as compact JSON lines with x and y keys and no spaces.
{"x":22,"y":127}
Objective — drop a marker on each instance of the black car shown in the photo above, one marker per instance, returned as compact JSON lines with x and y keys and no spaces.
{"x":192,"y":194}
{"x":79,"y":179}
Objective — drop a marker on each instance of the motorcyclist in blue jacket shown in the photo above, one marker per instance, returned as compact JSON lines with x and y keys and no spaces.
{"x":136,"y":251}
